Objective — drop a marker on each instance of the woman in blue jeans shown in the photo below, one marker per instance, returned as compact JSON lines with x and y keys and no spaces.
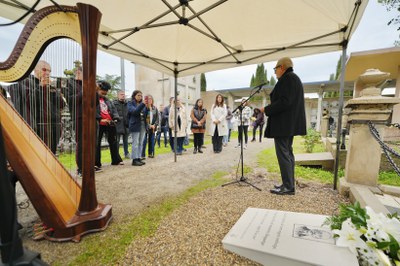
{"x":137,"y":125}
{"x":152,"y":119}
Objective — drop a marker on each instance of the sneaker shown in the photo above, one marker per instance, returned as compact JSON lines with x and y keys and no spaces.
{"x":78,"y":174}
{"x":238,"y":145}
{"x":136,"y":162}
{"x":127,"y":156}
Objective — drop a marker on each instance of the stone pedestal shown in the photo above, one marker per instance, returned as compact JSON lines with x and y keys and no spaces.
{"x":363,"y":156}
{"x":324,"y":127}
{"x":364,"y":152}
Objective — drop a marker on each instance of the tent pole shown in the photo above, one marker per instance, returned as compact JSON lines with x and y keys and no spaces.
{"x":122,"y":63}
{"x":339,"y":123}
{"x":175,"y":114}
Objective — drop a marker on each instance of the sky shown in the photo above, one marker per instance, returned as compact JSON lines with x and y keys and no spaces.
{"x":372,"y":33}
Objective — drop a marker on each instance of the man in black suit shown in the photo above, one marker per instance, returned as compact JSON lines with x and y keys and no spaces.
{"x":286,"y":119}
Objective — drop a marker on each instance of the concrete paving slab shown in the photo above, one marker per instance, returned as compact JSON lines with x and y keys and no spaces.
{"x":323,"y":159}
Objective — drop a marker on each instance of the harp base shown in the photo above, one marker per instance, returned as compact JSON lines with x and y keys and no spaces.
{"x":83,"y":224}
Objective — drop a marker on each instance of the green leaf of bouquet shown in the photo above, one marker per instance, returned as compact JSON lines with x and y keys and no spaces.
{"x":383,"y":245}
{"x":393,"y":248}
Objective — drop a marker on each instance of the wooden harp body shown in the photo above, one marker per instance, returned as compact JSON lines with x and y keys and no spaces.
{"x":46,"y":181}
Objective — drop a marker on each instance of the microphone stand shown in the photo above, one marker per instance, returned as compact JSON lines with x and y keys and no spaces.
{"x":242,"y":178}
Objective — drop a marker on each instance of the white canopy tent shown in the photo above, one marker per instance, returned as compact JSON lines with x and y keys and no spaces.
{"x":190,"y":37}
{"x":182,"y":37}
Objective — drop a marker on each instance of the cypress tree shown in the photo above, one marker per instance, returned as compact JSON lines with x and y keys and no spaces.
{"x":203,"y":82}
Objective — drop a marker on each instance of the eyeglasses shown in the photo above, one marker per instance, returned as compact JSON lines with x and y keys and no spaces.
{"x":278,"y":66}
{"x":46,"y":69}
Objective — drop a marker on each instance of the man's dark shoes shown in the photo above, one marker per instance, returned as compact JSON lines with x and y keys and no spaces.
{"x":282,"y":191}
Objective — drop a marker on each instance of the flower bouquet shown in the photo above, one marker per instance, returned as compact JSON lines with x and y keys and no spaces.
{"x":373,"y":238}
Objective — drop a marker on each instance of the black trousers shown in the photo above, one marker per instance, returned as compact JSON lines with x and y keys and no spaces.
{"x":217,"y":140}
{"x":255,"y":131}
{"x":111,"y":133}
{"x":284,"y":153}
{"x":198,"y":140}
{"x":171,"y":139}
{"x":243,"y":129}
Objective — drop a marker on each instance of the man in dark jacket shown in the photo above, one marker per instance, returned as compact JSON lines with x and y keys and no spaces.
{"x":286,"y":119}
{"x":108,"y":117}
{"x":122,"y":125}
{"x":40,"y":104}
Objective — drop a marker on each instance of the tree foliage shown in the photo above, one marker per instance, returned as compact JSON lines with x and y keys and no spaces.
{"x":272,"y":81}
{"x":393,"y":5}
{"x":115,"y":82}
{"x":203,"y":82}
{"x":260,"y":77}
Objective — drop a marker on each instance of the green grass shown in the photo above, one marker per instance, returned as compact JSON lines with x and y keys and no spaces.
{"x":68,"y":159}
{"x":114,"y":241}
{"x":267,"y":159}
{"x":389,"y":178}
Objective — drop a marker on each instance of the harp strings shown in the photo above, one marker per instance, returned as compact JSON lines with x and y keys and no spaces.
{"x":49,"y":102}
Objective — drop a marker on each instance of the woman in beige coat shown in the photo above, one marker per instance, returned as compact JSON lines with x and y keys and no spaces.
{"x":181,"y":124}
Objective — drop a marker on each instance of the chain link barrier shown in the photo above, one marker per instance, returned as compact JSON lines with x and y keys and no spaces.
{"x":386,"y":149}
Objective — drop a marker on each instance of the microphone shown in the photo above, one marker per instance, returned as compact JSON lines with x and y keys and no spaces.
{"x":262,"y":84}
{"x":259,"y":87}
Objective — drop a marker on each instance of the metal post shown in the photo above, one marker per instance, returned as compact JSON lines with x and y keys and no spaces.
{"x":122,"y":74}
{"x":339,"y":122}
{"x":175,"y":115}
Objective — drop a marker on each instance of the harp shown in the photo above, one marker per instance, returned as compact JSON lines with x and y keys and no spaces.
{"x":63,"y":204}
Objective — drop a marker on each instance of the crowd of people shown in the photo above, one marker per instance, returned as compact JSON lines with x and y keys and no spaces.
{"x":40,"y":104}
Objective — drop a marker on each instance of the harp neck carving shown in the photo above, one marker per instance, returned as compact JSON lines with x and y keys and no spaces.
{"x":44,"y":27}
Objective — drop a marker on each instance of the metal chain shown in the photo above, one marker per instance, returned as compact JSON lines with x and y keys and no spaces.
{"x":386,"y":149}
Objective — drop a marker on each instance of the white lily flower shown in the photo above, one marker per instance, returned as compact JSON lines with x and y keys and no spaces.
{"x":383,"y":258}
{"x":382,"y":226}
{"x":349,"y":236}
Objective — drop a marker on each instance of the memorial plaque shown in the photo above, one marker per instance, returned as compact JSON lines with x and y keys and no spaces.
{"x":279,"y":238}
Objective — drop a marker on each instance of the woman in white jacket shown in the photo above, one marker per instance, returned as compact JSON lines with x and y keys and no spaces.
{"x":243,"y":129}
{"x":219,"y":125}
{"x":181,"y":124}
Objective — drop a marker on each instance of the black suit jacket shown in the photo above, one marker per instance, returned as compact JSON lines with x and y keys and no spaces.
{"x":286,"y":113}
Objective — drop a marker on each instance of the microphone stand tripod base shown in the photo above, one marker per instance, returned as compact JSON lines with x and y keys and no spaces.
{"x":241,"y":180}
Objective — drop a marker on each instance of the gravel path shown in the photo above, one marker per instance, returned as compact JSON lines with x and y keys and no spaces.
{"x":191,"y":235}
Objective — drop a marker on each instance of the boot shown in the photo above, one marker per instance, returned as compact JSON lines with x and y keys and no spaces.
{"x":200,"y":151}
{"x":195,"y":150}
